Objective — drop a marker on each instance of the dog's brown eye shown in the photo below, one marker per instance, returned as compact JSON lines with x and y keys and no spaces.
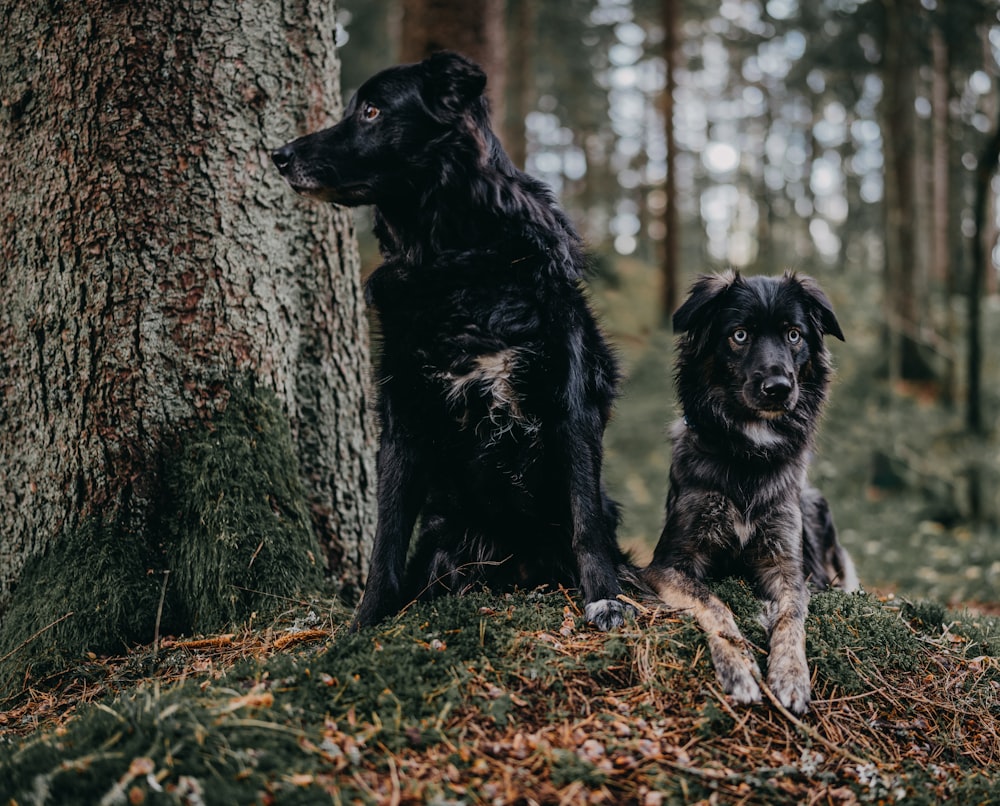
{"x":793,"y":335}
{"x":369,"y":112}
{"x":740,"y":335}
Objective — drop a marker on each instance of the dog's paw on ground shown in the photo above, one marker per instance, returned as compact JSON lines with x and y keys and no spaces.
{"x":788,"y":678}
{"x":607,"y":614}
{"x":735,"y":670}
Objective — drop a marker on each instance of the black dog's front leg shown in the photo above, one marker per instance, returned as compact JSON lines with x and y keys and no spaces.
{"x":594,"y":521}
{"x":401,"y":493}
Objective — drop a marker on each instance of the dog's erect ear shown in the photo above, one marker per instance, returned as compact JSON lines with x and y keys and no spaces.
{"x":453,"y":82}
{"x":703,"y":300}
{"x":819,"y":307}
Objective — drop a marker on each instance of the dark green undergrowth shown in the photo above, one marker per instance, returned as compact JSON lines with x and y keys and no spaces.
{"x":231,"y":528}
{"x":486,"y":698}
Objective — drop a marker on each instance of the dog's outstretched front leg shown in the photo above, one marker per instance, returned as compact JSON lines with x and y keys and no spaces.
{"x":784,"y":618}
{"x":735,"y":668}
{"x":401,"y":492}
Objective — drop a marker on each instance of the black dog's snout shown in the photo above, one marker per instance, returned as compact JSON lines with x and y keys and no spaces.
{"x":776,"y":388}
{"x":282,"y":157}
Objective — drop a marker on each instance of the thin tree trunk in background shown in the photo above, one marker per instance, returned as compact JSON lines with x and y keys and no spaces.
{"x":475,"y":28}
{"x":151,"y":255}
{"x":521,"y":92}
{"x":672,"y":235}
{"x":902,"y":293}
{"x":940,"y":194}
{"x":985,"y":170}
{"x":940,"y":158}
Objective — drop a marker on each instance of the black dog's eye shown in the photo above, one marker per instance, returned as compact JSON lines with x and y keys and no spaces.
{"x":794,"y":335}
{"x":369,"y":111}
{"x":741,"y":335}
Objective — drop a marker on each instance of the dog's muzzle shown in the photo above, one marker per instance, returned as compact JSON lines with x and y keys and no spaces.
{"x":776,"y":389}
{"x":771,"y":395}
{"x":290,"y":166}
{"x":285,"y":161}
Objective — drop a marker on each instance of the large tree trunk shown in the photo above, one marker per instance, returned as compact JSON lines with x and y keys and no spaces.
{"x":475,"y":28}
{"x":153,"y":261}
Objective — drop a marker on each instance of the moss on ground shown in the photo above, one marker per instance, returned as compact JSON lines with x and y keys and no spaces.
{"x":498,"y":699}
{"x":92,"y":591}
{"x":232,"y":529}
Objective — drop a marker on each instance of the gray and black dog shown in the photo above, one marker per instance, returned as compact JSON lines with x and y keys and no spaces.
{"x":752,"y":375}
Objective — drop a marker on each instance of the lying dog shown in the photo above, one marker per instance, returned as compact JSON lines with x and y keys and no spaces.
{"x":752,"y":376}
{"x":495,"y":383}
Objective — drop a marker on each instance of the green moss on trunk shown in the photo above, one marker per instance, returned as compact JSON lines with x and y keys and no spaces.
{"x":95,"y":590}
{"x":231,"y":527}
{"x":236,"y":529}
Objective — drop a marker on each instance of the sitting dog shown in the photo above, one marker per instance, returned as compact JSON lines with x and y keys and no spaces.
{"x":495,"y":383}
{"x":752,"y":374}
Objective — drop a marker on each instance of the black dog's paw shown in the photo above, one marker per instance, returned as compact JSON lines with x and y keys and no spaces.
{"x":607,"y":614}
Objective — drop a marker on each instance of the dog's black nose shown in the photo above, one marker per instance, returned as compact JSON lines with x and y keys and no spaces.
{"x":777,"y":388}
{"x":282,"y":157}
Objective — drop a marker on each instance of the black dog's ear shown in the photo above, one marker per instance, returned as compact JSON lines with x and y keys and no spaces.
{"x":819,"y":306}
{"x":702,"y":300}
{"x":453,"y":82}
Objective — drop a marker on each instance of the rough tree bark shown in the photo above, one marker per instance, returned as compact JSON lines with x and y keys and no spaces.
{"x":151,"y":257}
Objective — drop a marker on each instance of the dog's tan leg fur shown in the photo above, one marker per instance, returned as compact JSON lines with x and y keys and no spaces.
{"x":735,"y":668}
{"x":784,"y":617}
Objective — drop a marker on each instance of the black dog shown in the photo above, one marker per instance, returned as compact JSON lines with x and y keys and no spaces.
{"x":752,"y":375}
{"x":495,"y":383}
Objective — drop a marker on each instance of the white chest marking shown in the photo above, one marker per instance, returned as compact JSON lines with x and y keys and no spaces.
{"x":761,"y":434}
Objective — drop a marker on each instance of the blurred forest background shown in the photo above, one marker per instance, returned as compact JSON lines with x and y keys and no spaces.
{"x":852,"y":140}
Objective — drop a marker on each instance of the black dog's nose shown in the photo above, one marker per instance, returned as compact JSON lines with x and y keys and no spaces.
{"x":777,"y":388}
{"x":282,"y":157}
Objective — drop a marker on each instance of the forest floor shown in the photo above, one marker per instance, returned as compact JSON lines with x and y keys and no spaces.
{"x":513,"y":699}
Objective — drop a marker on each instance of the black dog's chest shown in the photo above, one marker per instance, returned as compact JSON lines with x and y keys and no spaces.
{"x":461,"y":358}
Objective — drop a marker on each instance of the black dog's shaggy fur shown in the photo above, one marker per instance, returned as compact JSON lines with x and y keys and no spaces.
{"x":495,"y":383}
{"x":752,"y":376}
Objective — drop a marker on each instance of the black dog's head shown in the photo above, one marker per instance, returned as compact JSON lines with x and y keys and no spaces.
{"x":753,"y":346}
{"x":377,"y":151}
